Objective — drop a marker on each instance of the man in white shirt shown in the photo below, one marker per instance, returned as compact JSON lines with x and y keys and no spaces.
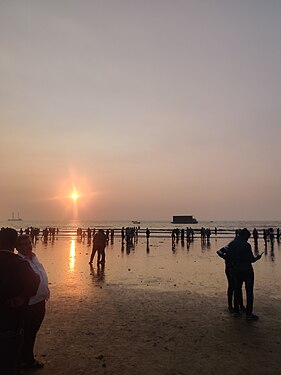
{"x":36,"y":308}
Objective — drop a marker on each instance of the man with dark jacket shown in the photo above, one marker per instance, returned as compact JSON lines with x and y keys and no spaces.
{"x":241,"y":257}
{"x":18,"y":282}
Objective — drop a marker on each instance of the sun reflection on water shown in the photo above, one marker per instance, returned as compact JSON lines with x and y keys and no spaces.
{"x":72,"y":254}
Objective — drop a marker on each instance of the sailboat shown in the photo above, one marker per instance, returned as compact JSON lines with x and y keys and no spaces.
{"x":15,"y":218}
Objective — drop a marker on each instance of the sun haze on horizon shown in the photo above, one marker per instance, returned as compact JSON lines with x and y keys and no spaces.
{"x":161,"y":108}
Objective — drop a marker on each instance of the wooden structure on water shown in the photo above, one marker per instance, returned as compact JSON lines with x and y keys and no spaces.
{"x":186,"y":219}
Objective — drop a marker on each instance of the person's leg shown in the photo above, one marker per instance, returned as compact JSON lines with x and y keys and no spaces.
{"x":103,"y":256}
{"x":238,"y":281}
{"x":33,"y":319}
{"x":249,"y":285}
{"x":10,"y":350}
{"x":230,"y":288}
{"x":92,"y":255}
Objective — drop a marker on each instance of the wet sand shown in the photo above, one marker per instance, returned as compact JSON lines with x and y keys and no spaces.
{"x":156,"y":312}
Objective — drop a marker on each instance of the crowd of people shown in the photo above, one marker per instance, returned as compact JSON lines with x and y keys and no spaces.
{"x":189,"y":234}
{"x":35,"y":233}
{"x":129,"y":234}
{"x":101,"y":239}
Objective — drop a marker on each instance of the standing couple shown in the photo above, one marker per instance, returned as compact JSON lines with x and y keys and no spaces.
{"x":238,"y":258}
{"x":99,"y":245}
{"x":23,"y":291}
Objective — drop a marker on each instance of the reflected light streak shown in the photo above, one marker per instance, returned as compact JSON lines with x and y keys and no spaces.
{"x":72,"y":256}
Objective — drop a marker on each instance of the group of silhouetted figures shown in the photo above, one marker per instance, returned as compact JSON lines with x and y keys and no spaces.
{"x":101,"y":239}
{"x":189,"y":234}
{"x":49,"y":233}
{"x":34,"y":233}
{"x":90,"y":233}
{"x":268,"y":235}
{"x":30,"y":231}
{"x":129,"y":235}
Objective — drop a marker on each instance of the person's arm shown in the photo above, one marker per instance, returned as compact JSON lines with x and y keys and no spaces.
{"x":30,"y":280}
{"x":257,"y":257}
{"x":94,"y":241}
{"x":251,"y":256}
{"x":222,"y":252}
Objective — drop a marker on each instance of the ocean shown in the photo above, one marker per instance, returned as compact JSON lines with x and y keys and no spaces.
{"x":157,"y":228}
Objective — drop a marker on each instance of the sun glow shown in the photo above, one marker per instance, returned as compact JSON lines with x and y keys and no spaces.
{"x":74,"y":196}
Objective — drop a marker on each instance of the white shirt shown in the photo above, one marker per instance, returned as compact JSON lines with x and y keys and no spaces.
{"x":43,"y":292}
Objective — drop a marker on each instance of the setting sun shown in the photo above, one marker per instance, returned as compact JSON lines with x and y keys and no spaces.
{"x":74,"y":196}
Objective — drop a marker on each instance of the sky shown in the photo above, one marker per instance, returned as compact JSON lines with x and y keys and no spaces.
{"x":148,"y":109}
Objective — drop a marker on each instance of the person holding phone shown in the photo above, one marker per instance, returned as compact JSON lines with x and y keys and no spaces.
{"x":241,"y":256}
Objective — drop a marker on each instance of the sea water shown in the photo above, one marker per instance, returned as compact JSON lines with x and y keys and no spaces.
{"x":158,"y":228}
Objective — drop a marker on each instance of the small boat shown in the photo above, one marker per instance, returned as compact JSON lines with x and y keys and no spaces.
{"x":13,"y":218}
{"x":136,"y":222}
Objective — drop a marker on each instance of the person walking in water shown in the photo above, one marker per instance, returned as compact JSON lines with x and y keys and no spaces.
{"x":99,"y":245}
{"x":147,"y":233}
{"x":241,"y":257}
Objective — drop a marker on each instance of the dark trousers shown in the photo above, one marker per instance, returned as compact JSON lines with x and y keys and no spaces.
{"x":33,"y":319}
{"x":101,"y":256}
{"x":231,"y":287}
{"x":10,"y":349}
{"x":248,"y":278}
{"x":93,"y":255}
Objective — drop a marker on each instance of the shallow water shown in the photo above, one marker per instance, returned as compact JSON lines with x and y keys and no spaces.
{"x":195,"y":268}
{"x":158,"y":228}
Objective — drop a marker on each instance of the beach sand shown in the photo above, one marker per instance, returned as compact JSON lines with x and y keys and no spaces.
{"x":162,"y":312}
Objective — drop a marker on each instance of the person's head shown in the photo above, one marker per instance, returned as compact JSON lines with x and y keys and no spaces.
{"x":24,"y":245}
{"x":8,"y":238}
{"x":244,"y":234}
{"x":101,"y":231}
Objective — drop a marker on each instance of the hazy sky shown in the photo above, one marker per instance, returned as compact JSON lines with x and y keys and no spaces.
{"x":149,"y":108}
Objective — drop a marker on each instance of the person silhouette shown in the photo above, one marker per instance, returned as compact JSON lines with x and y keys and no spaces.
{"x":99,"y":245}
{"x":230,"y":280}
{"x":241,"y":257}
{"x":147,"y":233}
